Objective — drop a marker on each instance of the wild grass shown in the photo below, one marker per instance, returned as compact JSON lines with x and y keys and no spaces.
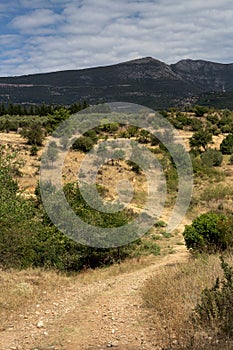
{"x":217,"y":192}
{"x":170,"y":297}
{"x":20,"y":289}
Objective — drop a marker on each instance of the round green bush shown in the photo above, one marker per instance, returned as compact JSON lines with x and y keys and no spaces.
{"x":208,"y":233}
{"x":211,"y":157}
{"x":226,"y":146}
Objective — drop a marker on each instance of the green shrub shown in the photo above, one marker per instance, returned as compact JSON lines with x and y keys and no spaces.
{"x":231,"y":159}
{"x":200,"y":139}
{"x":28,"y":238}
{"x":209,"y":233}
{"x":34,"y":134}
{"x":213,"y":118}
{"x":144,"y":136}
{"x":83,"y":143}
{"x":200,"y":110}
{"x":33,"y":150}
{"x":211,"y":157}
{"x":226,"y":122}
{"x":215,"y":309}
{"x":92,"y":134}
{"x":205,"y":171}
{"x":226,"y":146}
{"x":195,"y":124}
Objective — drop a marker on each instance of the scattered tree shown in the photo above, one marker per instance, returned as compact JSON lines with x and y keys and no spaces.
{"x":34,"y":134}
{"x":226,"y":146}
{"x":200,"y":139}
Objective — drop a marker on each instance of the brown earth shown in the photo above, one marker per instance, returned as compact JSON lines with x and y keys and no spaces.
{"x":88,"y":315}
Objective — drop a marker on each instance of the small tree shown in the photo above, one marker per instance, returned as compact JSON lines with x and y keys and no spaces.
{"x":200,"y":139}
{"x":209,"y":233}
{"x":83,"y":143}
{"x":200,"y":110}
{"x":226,"y":146}
{"x":52,"y":152}
{"x":34,"y":134}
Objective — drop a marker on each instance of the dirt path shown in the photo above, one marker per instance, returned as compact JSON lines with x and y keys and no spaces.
{"x":88,"y":316}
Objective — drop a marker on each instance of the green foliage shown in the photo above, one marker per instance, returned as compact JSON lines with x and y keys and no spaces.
{"x":204,"y":171}
{"x":90,"y":215}
{"x":172,"y":180}
{"x":52,"y":153}
{"x":215,"y":309}
{"x":58,"y":116}
{"x":226,"y":122}
{"x":92,"y":135}
{"x":147,"y":248}
{"x":217,"y":192}
{"x":200,"y":139}
{"x":213,"y":119}
{"x":226,"y":146}
{"x":195,"y":124}
{"x":179,"y":120}
{"x":108,"y":127}
{"x":7,"y":167}
{"x":200,"y":110}
{"x":48,"y":116}
{"x":132,"y":130}
{"x":160,"y":223}
{"x":134,"y":166}
{"x":83,"y":143}
{"x":231,"y":159}
{"x":34,"y":134}
{"x":144,"y":136}
{"x":209,"y":233}
{"x":211,"y":157}
{"x":29,"y":239}
{"x":33,"y":150}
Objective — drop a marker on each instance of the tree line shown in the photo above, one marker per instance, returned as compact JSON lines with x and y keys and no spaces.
{"x":40,"y":110}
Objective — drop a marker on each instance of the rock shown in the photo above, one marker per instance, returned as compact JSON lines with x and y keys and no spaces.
{"x":40,"y":324}
{"x":115,"y":344}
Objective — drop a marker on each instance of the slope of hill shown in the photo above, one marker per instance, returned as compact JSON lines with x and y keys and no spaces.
{"x":145,"y":81}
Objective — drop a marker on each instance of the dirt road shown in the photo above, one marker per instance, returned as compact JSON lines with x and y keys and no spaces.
{"x":89,"y":316}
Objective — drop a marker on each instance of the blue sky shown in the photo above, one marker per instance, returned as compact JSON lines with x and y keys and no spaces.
{"x":49,"y":35}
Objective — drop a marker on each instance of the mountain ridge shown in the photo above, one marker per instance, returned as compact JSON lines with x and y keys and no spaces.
{"x":146,"y":81}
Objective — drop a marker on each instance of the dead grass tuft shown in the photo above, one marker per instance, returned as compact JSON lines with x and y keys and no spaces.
{"x":20,"y":289}
{"x":170,"y":297}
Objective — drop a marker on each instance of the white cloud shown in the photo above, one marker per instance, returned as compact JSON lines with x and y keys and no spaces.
{"x":37,"y":19}
{"x":73,"y":34}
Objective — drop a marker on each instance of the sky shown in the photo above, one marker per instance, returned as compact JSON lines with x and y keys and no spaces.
{"x":38,"y":36}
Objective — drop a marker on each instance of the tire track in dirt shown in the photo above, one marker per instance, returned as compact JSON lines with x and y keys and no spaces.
{"x":92,"y":316}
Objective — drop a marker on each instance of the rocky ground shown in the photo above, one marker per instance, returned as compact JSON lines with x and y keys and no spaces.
{"x":89,"y":316}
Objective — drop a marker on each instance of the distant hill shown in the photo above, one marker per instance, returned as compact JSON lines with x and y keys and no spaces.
{"x":146,"y":81}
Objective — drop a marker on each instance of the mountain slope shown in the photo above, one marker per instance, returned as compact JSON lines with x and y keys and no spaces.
{"x":145,"y":81}
{"x":208,"y":76}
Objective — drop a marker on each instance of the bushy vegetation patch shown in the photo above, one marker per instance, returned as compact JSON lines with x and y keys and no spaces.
{"x":209,"y":232}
